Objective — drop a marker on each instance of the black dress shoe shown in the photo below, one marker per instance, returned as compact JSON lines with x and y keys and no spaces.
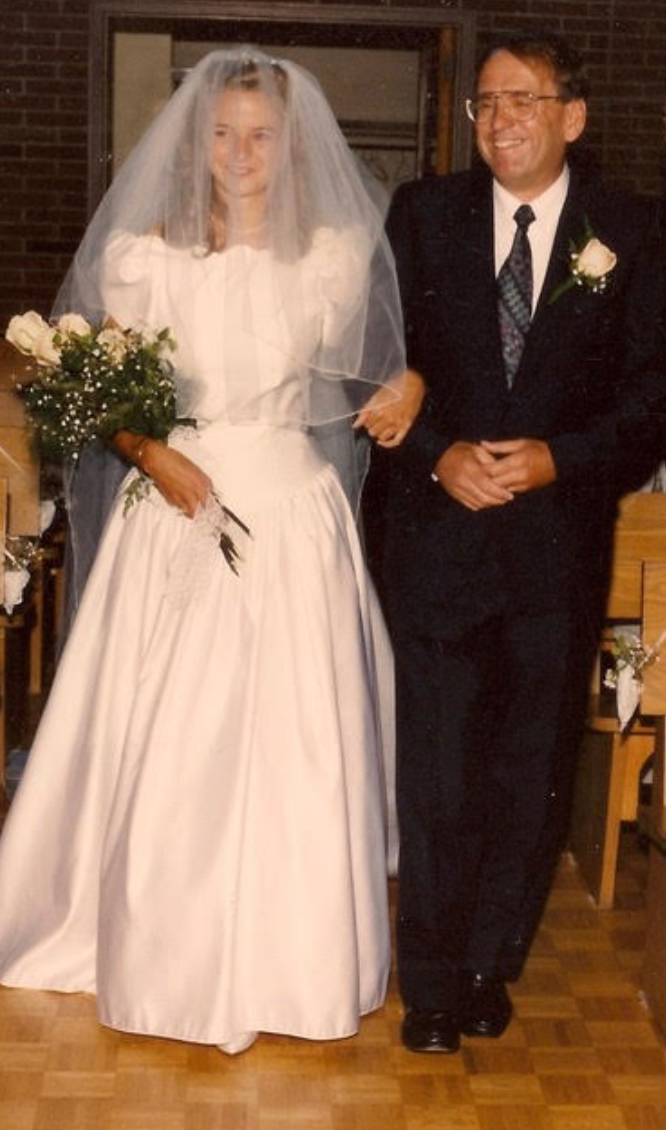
{"x":430,"y":1032}
{"x":486,"y":1008}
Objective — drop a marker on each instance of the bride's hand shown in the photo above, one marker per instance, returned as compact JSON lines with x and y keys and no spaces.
{"x":387,"y":417}
{"x":182,"y":483}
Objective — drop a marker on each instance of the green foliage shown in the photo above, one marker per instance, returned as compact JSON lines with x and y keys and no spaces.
{"x":135,"y":491}
{"x":103,"y":381}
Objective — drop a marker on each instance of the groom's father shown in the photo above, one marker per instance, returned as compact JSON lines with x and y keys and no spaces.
{"x":533,"y":303}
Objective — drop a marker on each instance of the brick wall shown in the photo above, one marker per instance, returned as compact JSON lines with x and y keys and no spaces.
{"x":43,"y":140}
{"x":624,"y":42}
{"x":43,"y":115}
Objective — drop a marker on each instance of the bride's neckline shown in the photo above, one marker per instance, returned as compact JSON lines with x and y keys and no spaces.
{"x":242,"y":232}
{"x":243,"y":237}
{"x":201,"y":252}
{"x":243,"y":245}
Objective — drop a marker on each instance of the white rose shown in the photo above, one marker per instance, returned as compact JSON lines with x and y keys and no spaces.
{"x":73,"y":324}
{"x":595,"y":260}
{"x":24,"y":330}
{"x":45,"y":351}
{"x":115,"y":342}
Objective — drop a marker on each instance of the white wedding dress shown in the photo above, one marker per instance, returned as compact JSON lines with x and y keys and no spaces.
{"x":199,"y":838}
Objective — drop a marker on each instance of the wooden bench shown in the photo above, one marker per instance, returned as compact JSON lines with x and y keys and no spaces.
{"x":610,"y":765}
{"x":19,"y":471}
{"x":653,"y":823}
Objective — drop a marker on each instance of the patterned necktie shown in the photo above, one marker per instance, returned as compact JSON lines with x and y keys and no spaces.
{"x":515,"y":294}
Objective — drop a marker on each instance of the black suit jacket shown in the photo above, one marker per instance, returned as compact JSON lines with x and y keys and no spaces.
{"x":592,"y":383}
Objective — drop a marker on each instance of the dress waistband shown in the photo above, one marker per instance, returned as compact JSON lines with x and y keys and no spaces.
{"x":253,"y":464}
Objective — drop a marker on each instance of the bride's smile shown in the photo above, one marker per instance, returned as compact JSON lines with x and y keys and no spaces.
{"x":246,"y":146}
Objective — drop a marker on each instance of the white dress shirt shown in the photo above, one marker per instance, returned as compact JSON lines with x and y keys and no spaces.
{"x":541,"y":232}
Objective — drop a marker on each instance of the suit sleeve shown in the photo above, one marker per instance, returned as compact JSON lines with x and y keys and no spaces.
{"x":424,"y":443}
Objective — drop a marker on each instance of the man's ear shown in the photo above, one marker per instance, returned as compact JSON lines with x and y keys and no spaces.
{"x":575,"y":117}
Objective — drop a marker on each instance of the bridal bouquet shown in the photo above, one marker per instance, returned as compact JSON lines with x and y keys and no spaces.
{"x":89,"y":382}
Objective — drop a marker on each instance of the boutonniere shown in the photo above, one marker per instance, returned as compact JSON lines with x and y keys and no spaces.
{"x":590,"y":264}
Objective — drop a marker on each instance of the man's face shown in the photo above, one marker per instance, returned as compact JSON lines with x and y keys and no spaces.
{"x":526,"y":157}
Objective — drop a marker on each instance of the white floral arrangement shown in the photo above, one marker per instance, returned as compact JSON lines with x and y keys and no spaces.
{"x":89,"y":382}
{"x":590,"y":264}
{"x":19,"y":558}
{"x":20,"y":554}
{"x":625,"y":677}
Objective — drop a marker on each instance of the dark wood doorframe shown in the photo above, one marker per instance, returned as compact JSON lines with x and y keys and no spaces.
{"x":296,"y":23}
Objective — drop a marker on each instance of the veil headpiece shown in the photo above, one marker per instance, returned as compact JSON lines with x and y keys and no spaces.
{"x":325,"y":299}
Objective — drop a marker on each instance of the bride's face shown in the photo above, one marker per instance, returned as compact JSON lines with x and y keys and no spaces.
{"x":246,"y":145}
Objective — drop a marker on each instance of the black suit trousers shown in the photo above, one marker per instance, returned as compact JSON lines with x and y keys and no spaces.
{"x":488,"y":729}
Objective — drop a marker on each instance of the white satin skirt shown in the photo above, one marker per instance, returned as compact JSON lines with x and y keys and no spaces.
{"x":200,"y":834}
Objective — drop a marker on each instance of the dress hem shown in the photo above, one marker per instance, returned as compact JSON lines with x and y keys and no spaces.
{"x":131,"y":1029}
{"x":265,"y":1029}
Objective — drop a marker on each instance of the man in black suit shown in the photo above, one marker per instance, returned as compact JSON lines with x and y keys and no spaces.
{"x":546,"y":387}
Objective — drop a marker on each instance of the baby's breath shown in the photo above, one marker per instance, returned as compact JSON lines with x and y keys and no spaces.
{"x":98,"y":387}
{"x":89,"y":383}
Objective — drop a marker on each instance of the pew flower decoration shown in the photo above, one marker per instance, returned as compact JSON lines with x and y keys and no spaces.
{"x":89,"y":382}
{"x":626,"y":675}
{"x":20,"y":556}
{"x":590,"y":264}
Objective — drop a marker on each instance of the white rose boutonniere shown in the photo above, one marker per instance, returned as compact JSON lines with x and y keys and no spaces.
{"x":590,"y":264}
{"x":594,"y":263}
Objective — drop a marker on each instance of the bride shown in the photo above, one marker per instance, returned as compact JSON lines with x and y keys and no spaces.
{"x":199,"y":837}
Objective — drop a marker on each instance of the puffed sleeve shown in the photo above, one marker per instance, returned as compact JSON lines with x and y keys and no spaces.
{"x":339,"y":262}
{"x":126,"y":278}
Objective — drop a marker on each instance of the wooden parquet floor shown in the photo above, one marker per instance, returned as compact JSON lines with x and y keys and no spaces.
{"x":582,"y":1053}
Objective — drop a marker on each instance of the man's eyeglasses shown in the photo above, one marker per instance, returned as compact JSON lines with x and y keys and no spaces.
{"x":519,"y":104}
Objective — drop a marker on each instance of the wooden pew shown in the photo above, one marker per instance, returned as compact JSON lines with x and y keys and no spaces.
{"x":3,"y":670}
{"x":6,"y":624}
{"x":653,"y":971}
{"x":19,"y":471}
{"x":607,"y":785}
{"x":17,"y":460}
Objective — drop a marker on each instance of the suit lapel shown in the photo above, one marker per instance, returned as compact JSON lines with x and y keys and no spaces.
{"x":475,"y":249}
{"x":548,"y":317}
{"x":569,"y":231}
